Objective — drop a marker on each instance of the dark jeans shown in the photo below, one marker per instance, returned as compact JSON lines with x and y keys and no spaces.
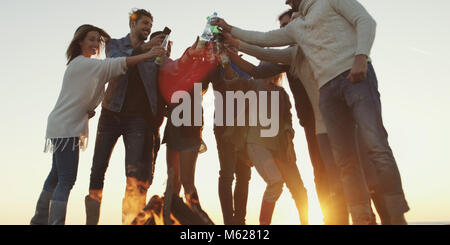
{"x":326,"y":187}
{"x":337,"y":206}
{"x":141,"y":148}
{"x":63,"y":174}
{"x":233,"y":163}
{"x":344,"y":105}
{"x":370,"y":174}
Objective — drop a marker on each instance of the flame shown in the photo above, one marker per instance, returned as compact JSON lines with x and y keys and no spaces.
{"x":134,"y":201}
{"x":153,"y":214}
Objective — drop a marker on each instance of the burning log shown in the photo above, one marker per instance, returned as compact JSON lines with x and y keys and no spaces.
{"x":181,"y":213}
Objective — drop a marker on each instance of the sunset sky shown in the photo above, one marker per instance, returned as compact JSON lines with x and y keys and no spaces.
{"x":411,"y":56}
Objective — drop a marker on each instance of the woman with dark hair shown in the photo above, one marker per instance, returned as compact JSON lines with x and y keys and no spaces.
{"x":67,"y":128}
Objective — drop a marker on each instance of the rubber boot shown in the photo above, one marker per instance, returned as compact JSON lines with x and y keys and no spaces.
{"x":92,"y":211}
{"x":267,"y":208}
{"x":57,"y":213}
{"x":43,"y":204}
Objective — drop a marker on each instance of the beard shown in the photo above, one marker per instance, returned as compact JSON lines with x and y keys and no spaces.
{"x":142,"y":36}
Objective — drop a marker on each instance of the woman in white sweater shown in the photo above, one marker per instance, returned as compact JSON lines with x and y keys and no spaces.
{"x":67,"y":128}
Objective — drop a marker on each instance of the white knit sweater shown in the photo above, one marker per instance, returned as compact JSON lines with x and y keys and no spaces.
{"x":82,"y":91}
{"x":330,"y":32}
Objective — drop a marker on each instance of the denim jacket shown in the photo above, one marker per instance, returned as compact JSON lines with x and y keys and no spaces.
{"x":117,"y":88}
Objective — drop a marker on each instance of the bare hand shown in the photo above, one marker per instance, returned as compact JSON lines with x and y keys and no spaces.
{"x":232,"y":52}
{"x":222,"y":24}
{"x":193,"y":51}
{"x":154,"y":42}
{"x":230,"y":40}
{"x":91,"y":114}
{"x":295,"y":15}
{"x":155,"y":52}
{"x":359,"y":70}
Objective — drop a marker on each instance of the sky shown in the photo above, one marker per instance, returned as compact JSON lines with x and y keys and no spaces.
{"x":410,"y":55}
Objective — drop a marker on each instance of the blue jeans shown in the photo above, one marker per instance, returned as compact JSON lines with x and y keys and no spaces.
{"x":63,"y":174}
{"x":343,"y":105}
{"x":372,"y":181}
{"x":141,"y":148}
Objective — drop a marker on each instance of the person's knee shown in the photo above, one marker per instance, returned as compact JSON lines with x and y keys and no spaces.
{"x":273,"y":192}
{"x":97,"y":179}
{"x":226,"y":177}
{"x":243,"y":175}
{"x":66,"y":184}
{"x":50,"y":184}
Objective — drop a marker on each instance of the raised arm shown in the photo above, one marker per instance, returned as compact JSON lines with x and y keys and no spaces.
{"x":262,"y":71}
{"x":244,"y":65}
{"x":284,"y":56}
{"x":268,"y":70}
{"x":275,"y":38}
{"x":153,"y":53}
{"x":113,"y":67}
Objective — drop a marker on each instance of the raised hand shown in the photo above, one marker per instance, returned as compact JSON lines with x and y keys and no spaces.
{"x":155,"y":52}
{"x":154,"y":42}
{"x":230,"y":41}
{"x":193,"y":51}
{"x":222,"y":24}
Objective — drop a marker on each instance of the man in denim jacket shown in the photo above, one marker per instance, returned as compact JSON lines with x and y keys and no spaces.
{"x":132,"y":109}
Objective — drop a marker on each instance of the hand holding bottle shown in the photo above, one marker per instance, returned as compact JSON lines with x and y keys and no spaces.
{"x":155,"y":52}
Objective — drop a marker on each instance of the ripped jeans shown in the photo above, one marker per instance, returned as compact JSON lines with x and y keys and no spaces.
{"x":141,"y":148}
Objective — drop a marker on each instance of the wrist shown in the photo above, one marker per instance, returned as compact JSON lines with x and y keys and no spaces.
{"x":237,"y":43}
{"x":229,"y":28}
{"x":150,"y":55}
{"x":361,"y":57}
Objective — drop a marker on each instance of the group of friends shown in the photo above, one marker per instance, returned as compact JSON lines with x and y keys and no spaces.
{"x":335,"y":90}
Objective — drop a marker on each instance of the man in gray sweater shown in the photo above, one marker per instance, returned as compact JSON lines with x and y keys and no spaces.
{"x":336,"y":37}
